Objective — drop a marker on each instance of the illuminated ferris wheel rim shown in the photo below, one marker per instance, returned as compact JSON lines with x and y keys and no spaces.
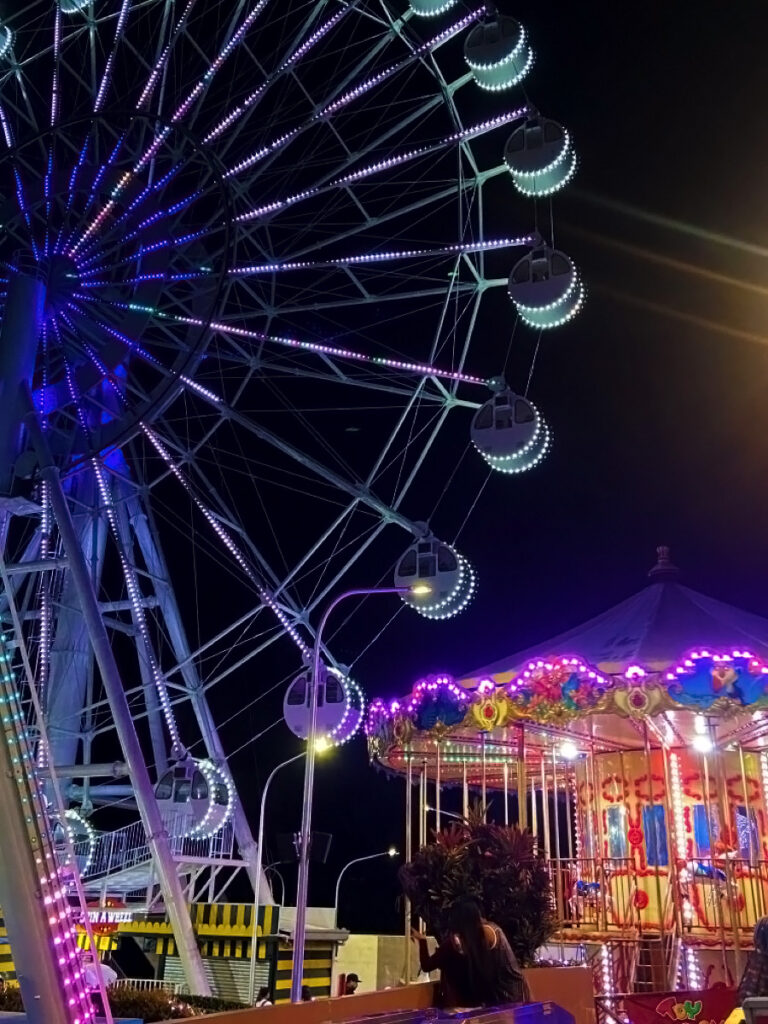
{"x":283,"y":329}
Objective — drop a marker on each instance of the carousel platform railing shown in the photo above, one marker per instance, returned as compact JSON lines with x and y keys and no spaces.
{"x":702,"y":895}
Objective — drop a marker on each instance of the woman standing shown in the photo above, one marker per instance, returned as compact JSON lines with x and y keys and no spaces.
{"x":477,"y":966}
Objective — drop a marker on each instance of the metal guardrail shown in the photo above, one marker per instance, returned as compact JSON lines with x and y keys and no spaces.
{"x":127,"y":847}
{"x":151,"y":985}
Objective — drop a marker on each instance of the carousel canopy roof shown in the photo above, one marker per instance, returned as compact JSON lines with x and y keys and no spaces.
{"x":653,"y":629}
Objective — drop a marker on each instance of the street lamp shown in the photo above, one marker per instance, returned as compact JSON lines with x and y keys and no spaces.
{"x":391,"y":852}
{"x":297,"y":972}
{"x":257,"y":873}
{"x":273,"y":869}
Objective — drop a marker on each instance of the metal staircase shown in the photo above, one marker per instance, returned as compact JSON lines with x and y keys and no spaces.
{"x":119,"y":864}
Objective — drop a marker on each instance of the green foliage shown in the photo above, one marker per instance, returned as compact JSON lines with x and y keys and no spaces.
{"x":149,"y":1006}
{"x":498,"y":866}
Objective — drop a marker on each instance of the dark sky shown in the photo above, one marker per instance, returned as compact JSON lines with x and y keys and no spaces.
{"x":656,"y":393}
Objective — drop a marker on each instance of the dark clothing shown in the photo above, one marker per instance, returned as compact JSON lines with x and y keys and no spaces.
{"x":754,"y":981}
{"x":454,"y":977}
{"x":505,"y":982}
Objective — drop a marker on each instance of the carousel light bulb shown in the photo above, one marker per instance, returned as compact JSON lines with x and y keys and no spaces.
{"x":322,"y":744}
{"x":568,"y":750}
{"x":392,"y":851}
{"x":703,"y":744}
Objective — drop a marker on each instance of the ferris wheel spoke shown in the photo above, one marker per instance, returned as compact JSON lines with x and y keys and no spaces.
{"x":455,"y":140}
{"x":225,"y":537}
{"x":178,"y":115}
{"x":332,"y":106}
{"x":303,"y":42}
{"x":106,"y":77}
{"x":366,"y":259}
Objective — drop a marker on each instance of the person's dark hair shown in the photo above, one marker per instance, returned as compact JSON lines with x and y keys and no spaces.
{"x":306,"y":995}
{"x":263,"y":992}
{"x":467,"y":923}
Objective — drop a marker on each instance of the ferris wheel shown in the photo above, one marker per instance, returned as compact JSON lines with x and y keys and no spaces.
{"x":260,"y":260}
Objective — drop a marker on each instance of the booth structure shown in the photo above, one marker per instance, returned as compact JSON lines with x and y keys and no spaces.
{"x":635,"y":747}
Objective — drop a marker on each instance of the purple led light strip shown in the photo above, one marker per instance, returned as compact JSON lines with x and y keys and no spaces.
{"x":458,"y":248}
{"x":157,"y":70}
{"x":223,"y":535}
{"x":288,"y":63}
{"x":363,"y":259}
{"x":147,"y":191}
{"x":129,"y":573}
{"x":384,"y":165}
{"x":422,"y":369}
{"x":218,"y":63}
{"x":20,"y":198}
{"x":356,"y":93}
{"x":107,"y":76}
{"x":151,"y":151}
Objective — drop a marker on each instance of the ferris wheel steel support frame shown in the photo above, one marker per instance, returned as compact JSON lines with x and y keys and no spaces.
{"x":156,"y":833}
{"x":158,"y":569}
{"x":25,"y":916}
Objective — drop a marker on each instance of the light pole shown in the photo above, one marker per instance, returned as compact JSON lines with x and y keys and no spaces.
{"x":273,"y":869}
{"x":391,"y":852}
{"x":297,"y":972}
{"x":257,"y":873}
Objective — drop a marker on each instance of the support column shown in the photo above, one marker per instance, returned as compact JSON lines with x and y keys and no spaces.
{"x":145,"y":532}
{"x":29,"y":876}
{"x":19,"y":336}
{"x":157,"y":836}
{"x":408,"y":858}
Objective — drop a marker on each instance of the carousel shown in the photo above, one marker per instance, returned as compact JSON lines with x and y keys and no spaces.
{"x":635,"y":748}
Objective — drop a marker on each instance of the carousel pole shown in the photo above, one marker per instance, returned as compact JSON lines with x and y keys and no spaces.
{"x":717,"y":902}
{"x":674,"y":873}
{"x":438,"y":821}
{"x":464,"y":790}
{"x":657,"y":877}
{"x":506,"y":792}
{"x":727,"y":832}
{"x":568,"y":822}
{"x":754,"y":854}
{"x":625,"y":806}
{"x":408,"y":858}
{"x":598,"y":835}
{"x":545,"y":809}
{"x":559,"y":867}
{"x":485,"y":777}
{"x":534,"y":812}
{"x":423,"y":806}
{"x":422,"y":817}
{"x":522,"y":810}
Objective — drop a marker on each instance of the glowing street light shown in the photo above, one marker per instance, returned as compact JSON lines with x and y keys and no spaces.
{"x":391,"y":852}
{"x":299,"y":929}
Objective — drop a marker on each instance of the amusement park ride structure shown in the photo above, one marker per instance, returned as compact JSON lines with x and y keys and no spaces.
{"x":196,"y":202}
{"x":636,"y":749}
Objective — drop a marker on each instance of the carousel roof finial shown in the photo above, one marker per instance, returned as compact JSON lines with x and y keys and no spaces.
{"x":664,"y":571}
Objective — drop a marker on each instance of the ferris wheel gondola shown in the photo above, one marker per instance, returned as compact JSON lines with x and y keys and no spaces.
{"x":195,"y":798}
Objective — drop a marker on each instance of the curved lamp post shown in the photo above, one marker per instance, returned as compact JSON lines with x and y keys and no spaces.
{"x":391,"y":852}
{"x":273,"y":869}
{"x":299,"y":928}
{"x":259,"y":854}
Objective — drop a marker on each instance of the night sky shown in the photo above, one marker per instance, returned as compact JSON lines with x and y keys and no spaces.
{"x":656,"y":393}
